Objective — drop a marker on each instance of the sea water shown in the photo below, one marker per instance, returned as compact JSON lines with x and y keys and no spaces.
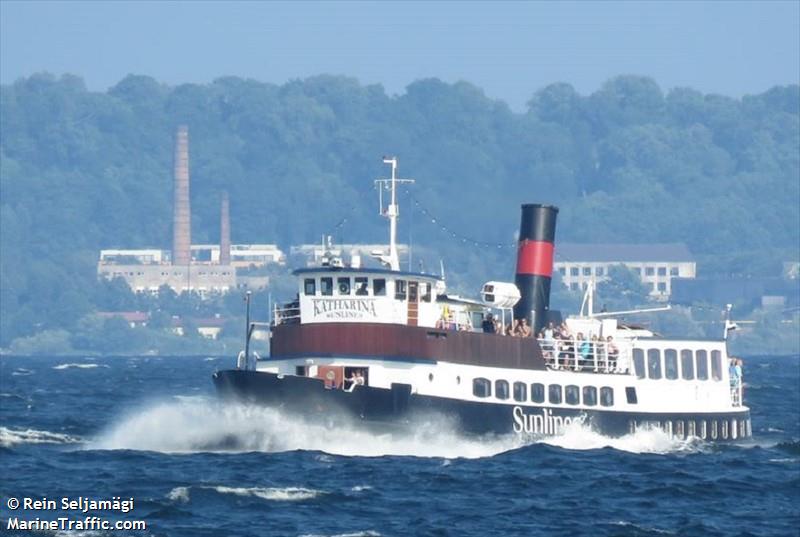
{"x":150,"y":430}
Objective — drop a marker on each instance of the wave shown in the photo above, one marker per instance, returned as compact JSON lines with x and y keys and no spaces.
{"x":200,"y":424}
{"x":279,"y":494}
{"x":367,"y":533}
{"x":21,"y":372}
{"x":11,"y":437}
{"x":78,"y":366}
{"x":578,"y":436}
{"x":205,"y":426}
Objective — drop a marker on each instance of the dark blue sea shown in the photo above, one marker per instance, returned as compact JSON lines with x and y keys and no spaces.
{"x":150,"y":428}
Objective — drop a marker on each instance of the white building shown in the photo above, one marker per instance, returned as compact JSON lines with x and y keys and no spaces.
{"x":242,"y":255}
{"x":656,"y":264}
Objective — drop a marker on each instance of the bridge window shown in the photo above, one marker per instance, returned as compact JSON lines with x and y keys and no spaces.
{"x":554,"y":394}
{"x":426,"y":292}
{"x":702,"y":365}
{"x":400,"y":289}
{"x":716,"y":365}
{"x":501,"y":389}
{"x":310,"y":287}
{"x":589,"y":395}
{"x":537,"y":392}
{"x":572,"y":395}
{"x":326,"y":286}
{"x":630,"y":395}
{"x":379,"y":287}
{"x":607,"y":396}
{"x":361,"y":286}
{"x":654,"y":364}
{"x":638,"y":363}
{"x":344,"y":286}
{"x":520,"y":392}
{"x":671,"y":364}
{"x":687,"y":365}
{"x":481,"y":387}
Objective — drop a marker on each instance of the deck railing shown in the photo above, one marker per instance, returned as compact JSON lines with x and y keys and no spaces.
{"x":573,"y":354}
{"x":286,"y":314}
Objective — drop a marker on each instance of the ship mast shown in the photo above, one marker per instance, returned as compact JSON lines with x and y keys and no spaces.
{"x":392,"y":211}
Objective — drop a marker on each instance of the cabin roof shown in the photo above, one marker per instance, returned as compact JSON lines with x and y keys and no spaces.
{"x":344,"y":271}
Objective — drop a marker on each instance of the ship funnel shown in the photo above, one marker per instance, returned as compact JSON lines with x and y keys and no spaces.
{"x":537,"y":232}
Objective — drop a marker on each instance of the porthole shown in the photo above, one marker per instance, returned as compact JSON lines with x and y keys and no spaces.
{"x":458,"y":379}
{"x":430,"y":377}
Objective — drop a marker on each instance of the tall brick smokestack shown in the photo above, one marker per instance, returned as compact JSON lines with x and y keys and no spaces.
{"x":225,"y":231}
{"x":537,"y":232}
{"x":182,"y":218}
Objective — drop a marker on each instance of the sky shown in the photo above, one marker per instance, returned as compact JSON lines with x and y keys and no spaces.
{"x":509,"y":49}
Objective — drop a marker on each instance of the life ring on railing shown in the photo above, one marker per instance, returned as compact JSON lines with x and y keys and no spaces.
{"x":344,"y":288}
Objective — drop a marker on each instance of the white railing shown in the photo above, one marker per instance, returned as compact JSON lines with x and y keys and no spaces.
{"x":286,"y":314}
{"x":573,"y":354}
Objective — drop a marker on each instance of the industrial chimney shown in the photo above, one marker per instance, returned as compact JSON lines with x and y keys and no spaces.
{"x":225,"y":231}
{"x":537,"y":232}
{"x":182,"y":220}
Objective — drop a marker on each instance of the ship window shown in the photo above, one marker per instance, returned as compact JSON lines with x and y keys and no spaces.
{"x":671,"y":364}
{"x":662,"y":271}
{"x":587,"y":271}
{"x":572,"y":395}
{"x":716,"y":365}
{"x":589,"y":395}
{"x":724,"y":429}
{"x":537,"y":392}
{"x":481,"y":387}
{"x":677,"y":427}
{"x":649,"y":271}
{"x":501,"y":389}
{"x":638,"y":363}
{"x":687,"y":364}
{"x":361,"y":286}
{"x":554,"y":394}
{"x":310,"y":287}
{"x":607,"y":396}
{"x":562,"y":271}
{"x":702,"y":365}
{"x":326,"y":286}
{"x":714,"y":430}
{"x":426,"y":292}
{"x":630,"y":395}
{"x":598,"y":271}
{"x":654,"y":364}
{"x":400,"y":289}
{"x":703,"y":429}
{"x":520,"y":392}
{"x":574,"y":271}
{"x":662,"y":287}
{"x":344,"y":286}
{"x":379,"y":287}
{"x":690,"y":428}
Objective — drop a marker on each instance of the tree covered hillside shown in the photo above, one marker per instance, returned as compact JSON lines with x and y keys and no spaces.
{"x":82,"y":170}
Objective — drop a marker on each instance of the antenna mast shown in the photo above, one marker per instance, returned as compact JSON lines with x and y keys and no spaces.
{"x":392,"y":210}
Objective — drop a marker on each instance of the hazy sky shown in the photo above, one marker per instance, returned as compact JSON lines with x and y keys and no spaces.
{"x":508,"y":49}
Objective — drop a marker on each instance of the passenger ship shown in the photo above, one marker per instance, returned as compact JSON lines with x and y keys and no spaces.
{"x":384,"y":346}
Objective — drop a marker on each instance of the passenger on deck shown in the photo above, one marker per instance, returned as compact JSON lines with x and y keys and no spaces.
{"x":509,"y":329}
{"x":612,"y":352}
{"x":498,"y":327}
{"x":583,"y":349}
{"x":488,"y":324}
{"x":523,"y":330}
{"x":356,"y":379}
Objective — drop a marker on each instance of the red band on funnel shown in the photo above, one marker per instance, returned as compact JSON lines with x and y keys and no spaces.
{"x":535,"y":257}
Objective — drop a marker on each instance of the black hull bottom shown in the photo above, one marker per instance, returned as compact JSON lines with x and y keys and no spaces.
{"x":398,"y":406}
